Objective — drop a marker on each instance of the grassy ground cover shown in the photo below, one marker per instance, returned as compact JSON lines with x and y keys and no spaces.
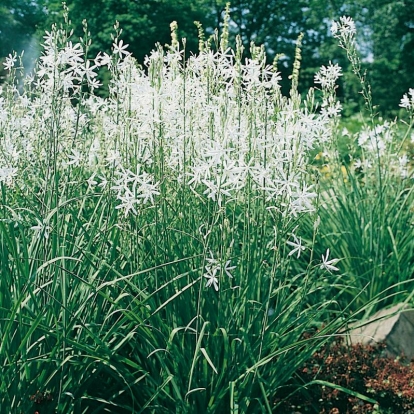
{"x":168,"y":248}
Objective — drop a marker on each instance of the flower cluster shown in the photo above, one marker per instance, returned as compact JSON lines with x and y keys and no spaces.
{"x":133,"y":189}
{"x":407,"y":100}
{"x":216,"y":268}
{"x":10,"y":61}
{"x":344,"y":30}
{"x":215,"y":125}
{"x":328,"y":75}
{"x":327,"y":78}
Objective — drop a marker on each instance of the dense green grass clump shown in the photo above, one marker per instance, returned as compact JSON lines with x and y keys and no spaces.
{"x":167,"y":248}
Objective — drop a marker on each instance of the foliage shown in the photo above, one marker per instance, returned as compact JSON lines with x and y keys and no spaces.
{"x":18,"y":22}
{"x":368,"y":212}
{"x":385,"y":34}
{"x":363,"y":370}
{"x":143,"y":23}
{"x":367,"y":200}
{"x":148,"y":239}
{"x":171,"y":242}
{"x":392,"y":43}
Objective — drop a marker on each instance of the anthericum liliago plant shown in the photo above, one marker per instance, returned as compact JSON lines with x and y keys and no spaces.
{"x":151,"y":249}
{"x":367,"y":203}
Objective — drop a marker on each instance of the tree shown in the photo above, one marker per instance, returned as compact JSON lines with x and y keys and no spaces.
{"x":274,"y":23}
{"x":385,"y":33}
{"x":392,"y":42}
{"x":277,"y":24}
{"x":19,"y":20}
{"x":143,"y":23}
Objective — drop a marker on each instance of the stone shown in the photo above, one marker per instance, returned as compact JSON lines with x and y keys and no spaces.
{"x":393,"y":326}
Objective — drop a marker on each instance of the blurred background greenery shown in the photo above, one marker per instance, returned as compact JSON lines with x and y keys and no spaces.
{"x":386,"y":34}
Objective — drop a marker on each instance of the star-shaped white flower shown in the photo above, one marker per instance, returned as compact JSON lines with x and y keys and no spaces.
{"x":328,"y":264}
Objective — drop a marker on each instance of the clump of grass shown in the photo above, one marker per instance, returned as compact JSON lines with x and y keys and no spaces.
{"x":367,"y":201}
{"x":152,"y":256}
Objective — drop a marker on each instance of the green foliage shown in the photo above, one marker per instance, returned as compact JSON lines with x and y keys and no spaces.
{"x":367,"y":203}
{"x":150,"y":241}
{"x":131,"y":281}
{"x":385,"y":34}
{"x":19,"y":19}
{"x":143,"y":23}
{"x":345,"y":378}
{"x":392,"y":43}
{"x":18,"y":22}
{"x":367,"y":214}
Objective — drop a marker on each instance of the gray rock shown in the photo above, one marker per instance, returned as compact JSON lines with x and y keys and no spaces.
{"x":393,"y":326}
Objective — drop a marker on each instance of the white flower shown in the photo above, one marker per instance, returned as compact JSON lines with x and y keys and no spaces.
{"x":297,"y":246}
{"x":120,"y":48}
{"x":88,"y":71}
{"x":347,"y":24}
{"x":216,"y":153}
{"x":103,"y":182}
{"x":328,"y":264}
{"x":344,"y":29}
{"x":134,"y":188}
{"x":403,"y":161}
{"x":358,"y":164}
{"x":227,"y":268}
{"x":113,"y":158}
{"x":146,"y":190}
{"x":328,"y":75}
{"x":234,"y":174}
{"x":75,"y":158}
{"x":102,"y":59}
{"x":128,"y":202}
{"x":362,"y":165}
{"x":211,"y":277}
{"x":331,"y":108}
{"x":67,"y":82}
{"x":72,"y":54}
{"x":7,"y":175}
{"x":200,"y":172}
{"x":215,"y":191}
{"x":49,"y":38}
{"x":406,"y":101}
{"x":302,"y":200}
{"x":10,"y":61}
{"x":91,"y":180}
{"x":214,"y":268}
{"x":95,"y":84}
{"x":41,"y":229}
